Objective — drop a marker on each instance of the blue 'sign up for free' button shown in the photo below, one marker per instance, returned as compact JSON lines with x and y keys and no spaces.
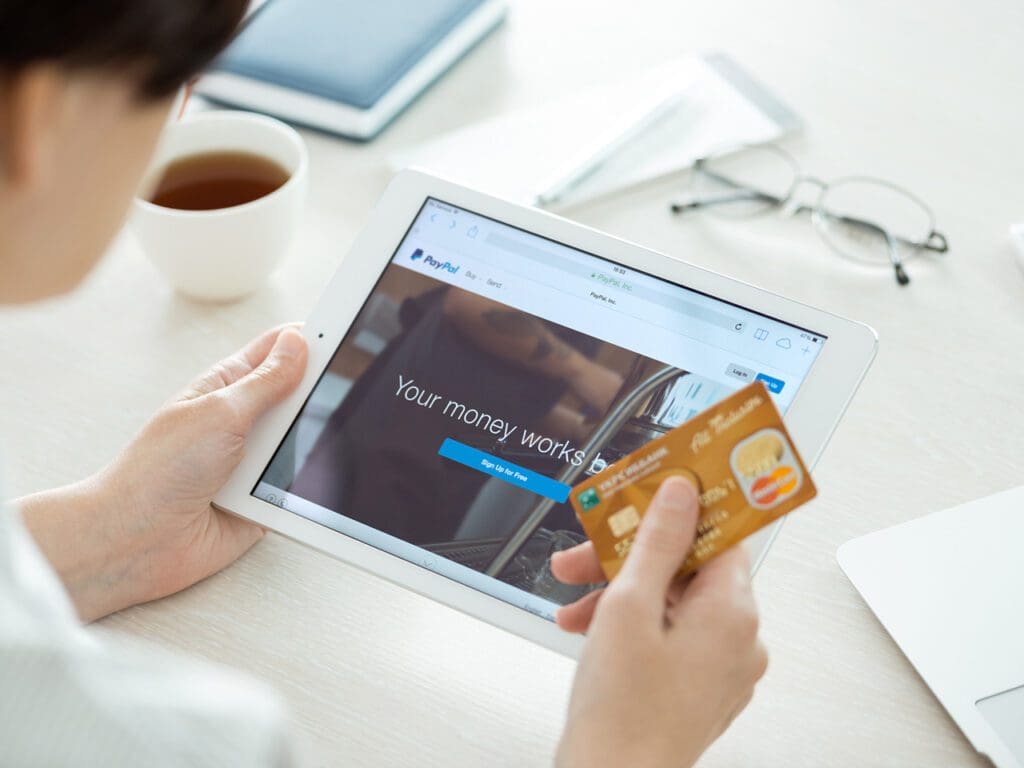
{"x":774,"y":385}
{"x":511,"y":473}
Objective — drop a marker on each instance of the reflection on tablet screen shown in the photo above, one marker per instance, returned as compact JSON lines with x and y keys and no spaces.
{"x":479,"y":382}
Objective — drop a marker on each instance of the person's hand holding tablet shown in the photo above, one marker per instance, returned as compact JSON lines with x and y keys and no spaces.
{"x":667,"y":665}
{"x":144,"y":527}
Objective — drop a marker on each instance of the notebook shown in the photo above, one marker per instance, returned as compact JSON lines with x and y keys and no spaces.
{"x":345,"y":66}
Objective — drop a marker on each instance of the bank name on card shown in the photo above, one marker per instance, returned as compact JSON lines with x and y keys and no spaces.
{"x":739,"y":456}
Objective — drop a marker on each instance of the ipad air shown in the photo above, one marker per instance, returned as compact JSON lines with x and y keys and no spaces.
{"x":473,"y":359}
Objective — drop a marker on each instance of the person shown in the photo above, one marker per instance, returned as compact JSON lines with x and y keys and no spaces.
{"x":85,"y":89}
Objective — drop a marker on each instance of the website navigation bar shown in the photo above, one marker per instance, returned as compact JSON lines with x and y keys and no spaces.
{"x":664,"y":321}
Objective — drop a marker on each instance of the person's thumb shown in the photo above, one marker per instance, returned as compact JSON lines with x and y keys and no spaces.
{"x":272,"y":380}
{"x":662,"y":542}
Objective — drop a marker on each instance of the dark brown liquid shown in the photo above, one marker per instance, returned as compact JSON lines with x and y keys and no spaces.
{"x":214,"y":180}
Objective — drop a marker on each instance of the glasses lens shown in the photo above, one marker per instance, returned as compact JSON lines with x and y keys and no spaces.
{"x":744,"y":183}
{"x":854,"y":216}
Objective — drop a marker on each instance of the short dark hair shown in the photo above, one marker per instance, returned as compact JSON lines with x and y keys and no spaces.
{"x":161,"y":43}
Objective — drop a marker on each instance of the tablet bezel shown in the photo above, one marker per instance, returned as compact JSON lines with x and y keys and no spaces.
{"x":812,"y":417}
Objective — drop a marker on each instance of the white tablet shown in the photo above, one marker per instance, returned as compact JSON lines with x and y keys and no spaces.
{"x":472,"y":359}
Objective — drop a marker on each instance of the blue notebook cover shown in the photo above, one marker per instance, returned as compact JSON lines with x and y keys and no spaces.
{"x":350,"y":51}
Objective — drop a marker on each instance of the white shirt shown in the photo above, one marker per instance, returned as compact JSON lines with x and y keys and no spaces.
{"x":68,"y":699}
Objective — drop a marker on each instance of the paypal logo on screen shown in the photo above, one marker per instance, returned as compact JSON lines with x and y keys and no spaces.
{"x":447,"y":266}
{"x":430,"y":261}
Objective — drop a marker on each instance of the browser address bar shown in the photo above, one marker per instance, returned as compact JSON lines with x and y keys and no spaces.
{"x":581,"y":271}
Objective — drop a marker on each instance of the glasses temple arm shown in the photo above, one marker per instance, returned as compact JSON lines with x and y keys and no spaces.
{"x":710,"y":202}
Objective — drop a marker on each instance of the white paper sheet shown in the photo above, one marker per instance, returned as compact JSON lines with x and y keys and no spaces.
{"x":516,"y":155}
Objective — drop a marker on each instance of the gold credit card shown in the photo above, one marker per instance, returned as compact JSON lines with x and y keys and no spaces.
{"x":739,"y":456}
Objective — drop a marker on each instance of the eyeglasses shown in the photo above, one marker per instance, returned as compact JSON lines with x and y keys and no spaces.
{"x":865,"y":219}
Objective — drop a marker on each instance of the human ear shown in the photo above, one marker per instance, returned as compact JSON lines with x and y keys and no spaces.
{"x":30,"y":105}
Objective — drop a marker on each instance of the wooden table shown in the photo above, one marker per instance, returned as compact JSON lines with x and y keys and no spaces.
{"x":925,"y":94}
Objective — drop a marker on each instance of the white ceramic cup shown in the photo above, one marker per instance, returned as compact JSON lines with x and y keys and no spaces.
{"x":226,"y":253}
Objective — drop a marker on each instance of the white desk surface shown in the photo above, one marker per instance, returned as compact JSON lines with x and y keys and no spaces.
{"x":926,"y":94}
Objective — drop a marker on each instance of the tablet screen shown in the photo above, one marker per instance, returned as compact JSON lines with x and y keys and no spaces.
{"x":491,"y":369}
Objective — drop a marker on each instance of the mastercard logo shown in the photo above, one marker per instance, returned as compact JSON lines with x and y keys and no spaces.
{"x":778,"y":484}
{"x":766,"y":468}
